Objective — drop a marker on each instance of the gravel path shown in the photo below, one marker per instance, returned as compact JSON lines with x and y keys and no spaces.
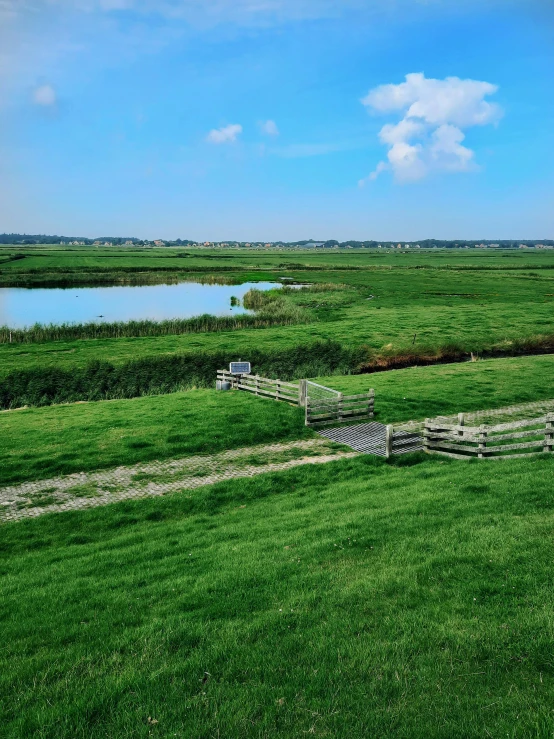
{"x":92,"y":489}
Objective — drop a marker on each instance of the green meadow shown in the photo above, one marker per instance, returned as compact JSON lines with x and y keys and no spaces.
{"x":407,"y":598}
{"x":354,"y":599}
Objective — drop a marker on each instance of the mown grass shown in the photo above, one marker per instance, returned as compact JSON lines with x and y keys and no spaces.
{"x":41,"y":442}
{"x":37,"y":443}
{"x":357,"y":599}
{"x":424,"y":392}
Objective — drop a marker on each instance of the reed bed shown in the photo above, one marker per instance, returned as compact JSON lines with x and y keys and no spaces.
{"x":275,"y":313}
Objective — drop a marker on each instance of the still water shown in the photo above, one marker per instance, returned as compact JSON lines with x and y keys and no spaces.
{"x":20,"y":307}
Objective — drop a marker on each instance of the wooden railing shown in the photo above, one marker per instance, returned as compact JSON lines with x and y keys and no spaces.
{"x":402,"y":442}
{"x":490,"y":442}
{"x":263,"y":386}
{"x":342,"y":409}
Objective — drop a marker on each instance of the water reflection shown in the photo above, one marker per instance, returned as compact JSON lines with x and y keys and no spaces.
{"x":20,"y":307}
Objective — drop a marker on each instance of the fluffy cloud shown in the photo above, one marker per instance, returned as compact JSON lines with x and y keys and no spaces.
{"x":270,"y":128}
{"x":44,"y":95}
{"x":224,"y":135}
{"x":429,"y":136}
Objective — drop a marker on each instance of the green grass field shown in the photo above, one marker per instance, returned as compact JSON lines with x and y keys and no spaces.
{"x":358,"y":599}
{"x":392,"y":303}
{"x":408,"y":598}
{"x":41,"y":442}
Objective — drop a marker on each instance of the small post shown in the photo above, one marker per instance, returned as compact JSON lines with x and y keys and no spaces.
{"x":426,"y":432}
{"x":371,"y":403}
{"x":549,"y":433}
{"x":340,"y":407}
{"x":277,"y":389}
{"x":307,"y":413}
{"x":388,"y":441}
{"x":302,"y":393}
{"x":257,"y":385}
{"x":461,"y":422}
{"x":482,"y":441}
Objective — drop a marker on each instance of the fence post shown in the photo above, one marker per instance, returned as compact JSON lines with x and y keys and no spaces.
{"x":371,"y":403}
{"x":339,"y":407}
{"x":277,"y":389}
{"x":302,"y":387}
{"x":482,"y":441}
{"x":426,"y":437}
{"x":549,"y":433}
{"x":307,"y":412}
{"x":388,"y":441}
{"x":257,"y":384}
{"x":461,"y":422}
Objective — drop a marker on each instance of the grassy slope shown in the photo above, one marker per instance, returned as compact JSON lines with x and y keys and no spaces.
{"x":40,"y":442}
{"x":424,"y":392}
{"x":355,"y":600}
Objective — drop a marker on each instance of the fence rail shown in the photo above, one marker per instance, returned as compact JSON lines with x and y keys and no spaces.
{"x":278,"y":389}
{"x":340,"y":409}
{"x":490,"y":442}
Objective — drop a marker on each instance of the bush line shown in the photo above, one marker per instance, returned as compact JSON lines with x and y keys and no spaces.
{"x":100,"y":380}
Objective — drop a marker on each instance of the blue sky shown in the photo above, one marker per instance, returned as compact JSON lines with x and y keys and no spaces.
{"x":277,"y":119}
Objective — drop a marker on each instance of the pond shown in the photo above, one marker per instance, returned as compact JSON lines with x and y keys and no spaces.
{"x":20,"y":307}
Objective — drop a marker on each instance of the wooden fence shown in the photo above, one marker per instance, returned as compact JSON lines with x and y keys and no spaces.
{"x":278,"y":389}
{"x":340,"y":409}
{"x":490,"y":442}
{"x":401,"y":442}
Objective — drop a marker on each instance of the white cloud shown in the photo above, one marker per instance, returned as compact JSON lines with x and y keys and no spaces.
{"x":44,"y":95}
{"x":428,"y":137}
{"x":270,"y":128}
{"x":381,"y":167}
{"x":224,"y":135}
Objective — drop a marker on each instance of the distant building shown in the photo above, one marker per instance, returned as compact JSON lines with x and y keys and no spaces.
{"x":108,"y":243}
{"x":129,"y":242}
{"x":159,"y":242}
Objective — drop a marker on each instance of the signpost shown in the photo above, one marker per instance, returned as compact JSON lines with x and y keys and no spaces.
{"x":239,"y":368}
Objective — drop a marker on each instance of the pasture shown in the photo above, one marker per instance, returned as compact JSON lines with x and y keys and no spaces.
{"x":361,"y":597}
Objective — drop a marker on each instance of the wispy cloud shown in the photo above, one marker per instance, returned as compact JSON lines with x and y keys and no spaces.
{"x":298,"y":151}
{"x":269,"y":128}
{"x":44,"y":95}
{"x":429,"y":136}
{"x":225,"y":135}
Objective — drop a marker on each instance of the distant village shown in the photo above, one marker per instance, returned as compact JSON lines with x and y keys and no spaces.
{"x":25,"y":239}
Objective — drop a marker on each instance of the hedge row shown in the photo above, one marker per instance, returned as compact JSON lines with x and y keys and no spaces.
{"x":100,"y":380}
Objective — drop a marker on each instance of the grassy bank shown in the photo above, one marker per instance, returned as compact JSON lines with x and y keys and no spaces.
{"x":355,"y":599}
{"x":41,"y":442}
{"x":166,"y":373}
{"x":100,"y":380}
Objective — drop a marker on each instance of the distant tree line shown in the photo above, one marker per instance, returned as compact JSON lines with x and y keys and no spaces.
{"x":30,"y":239}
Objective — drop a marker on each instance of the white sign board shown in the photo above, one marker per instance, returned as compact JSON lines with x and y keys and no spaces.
{"x":239,"y":368}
